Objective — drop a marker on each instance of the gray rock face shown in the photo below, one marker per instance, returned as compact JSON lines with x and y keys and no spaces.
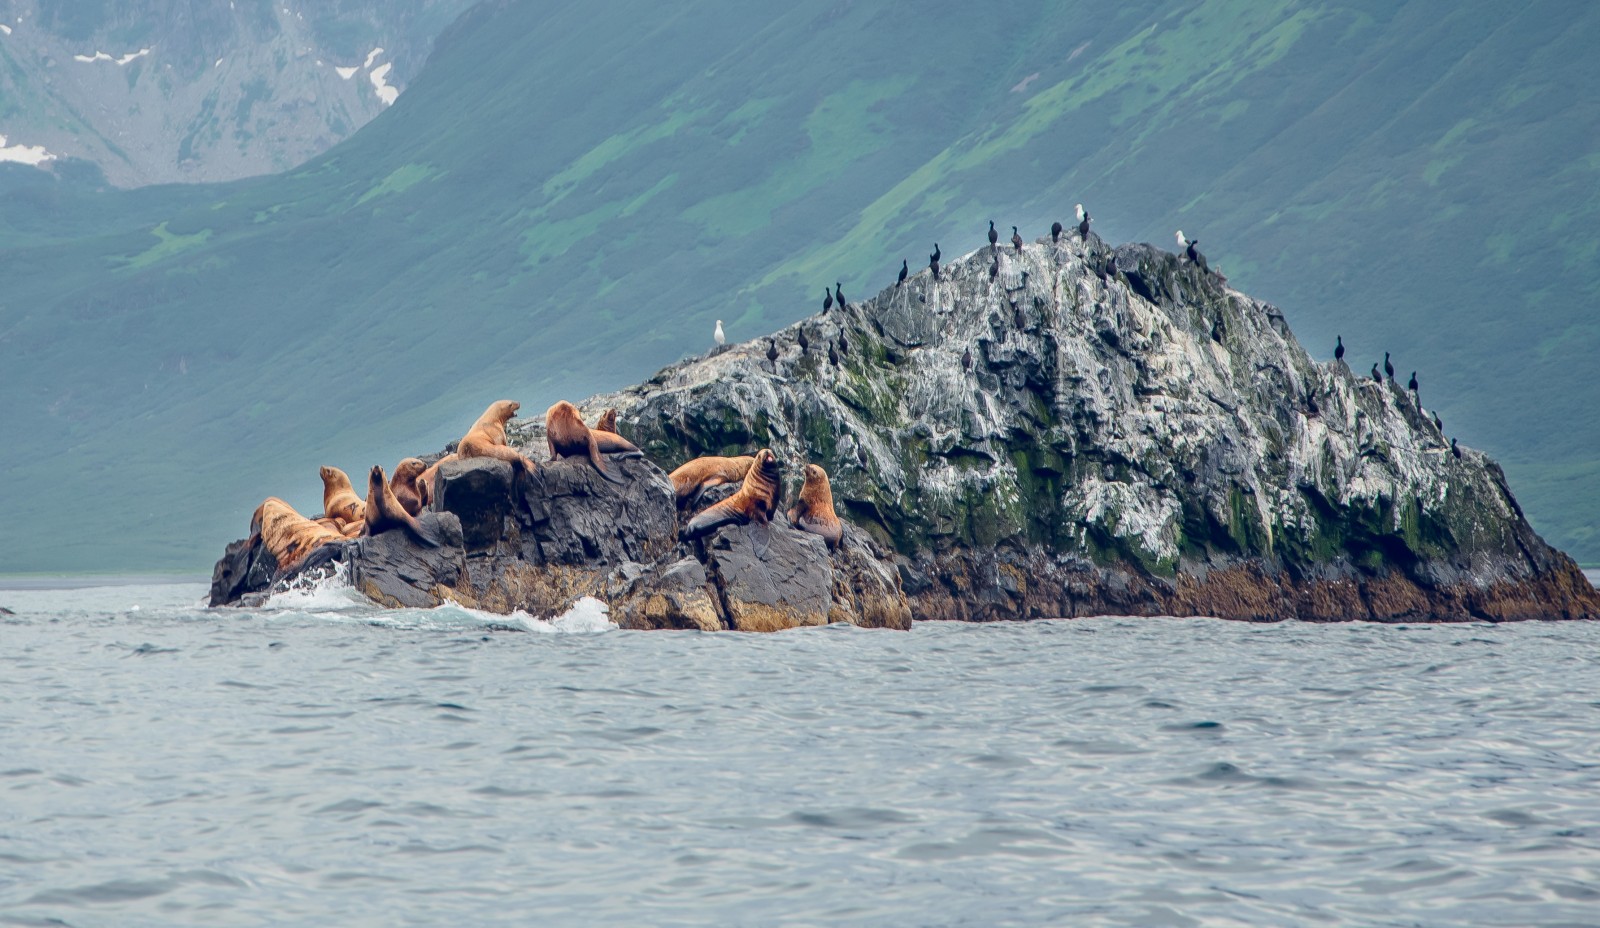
{"x":1089,"y":431}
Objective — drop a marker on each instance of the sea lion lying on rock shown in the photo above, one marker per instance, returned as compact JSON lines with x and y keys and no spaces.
{"x":755,"y":501}
{"x":567,"y":437}
{"x":404,"y":484}
{"x":701,"y":473}
{"x":384,"y":511}
{"x":339,"y":500}
{"x":813,"y":512}
{"x":290,"y":536}
{"x":487,"y":437}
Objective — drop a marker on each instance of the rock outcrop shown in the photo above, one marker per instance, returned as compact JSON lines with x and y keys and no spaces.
{"x":1066,"y":431}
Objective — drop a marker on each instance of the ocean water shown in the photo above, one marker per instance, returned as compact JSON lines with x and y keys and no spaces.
{"x":323,"y":762}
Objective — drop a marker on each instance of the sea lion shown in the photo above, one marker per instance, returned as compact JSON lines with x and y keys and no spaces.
{"x":384,"y":512}
{"x":339,"y":499}
{"x":567,"y":436}
{"x":607,"y":422}
{"x":289,"y":535}
{"x":487,"y":437}
{"x":754,"y":502}
{"x":404,"y":484}
{"x":702,"y":473}
{"x":813,"y":512}
{"x":345,"y":527}
{"x":426,"y":479}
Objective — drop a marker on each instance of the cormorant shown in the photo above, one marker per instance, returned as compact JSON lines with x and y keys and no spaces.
{"x":1376,"y":377}
{"x":1055,"y":232}
{"x":1338,"y":348}
{"x":936,"y":254}
{"x":1195,"y":257}
{"x":902,"y":273}
{"x":966,"y":359}
{"x":1436,"y":423}
{"x":833,"y":356}
{"x":1412,"y":386}
{"x":1017,"y":318}
{"x":994,"y":268}
{"x":933,"y":264}
{"x":827,"y":299}
{"x":1311,"y":405}
{"x":1083,"y":222}
{"x":772,"y":351}
{"x":1016,"y":240}
{"x":838,"y":296}
{"x":1454,"y":449}
{"x":844,"y":346}
{"x":805,"y":343}
{"x":1388,"y":368}
{"x":993,"y":235}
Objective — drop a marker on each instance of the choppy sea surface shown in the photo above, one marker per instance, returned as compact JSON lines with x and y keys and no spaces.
{"x":323,"y":762}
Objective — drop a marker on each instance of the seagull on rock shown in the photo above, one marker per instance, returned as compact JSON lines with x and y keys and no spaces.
{"x":720,"y":338}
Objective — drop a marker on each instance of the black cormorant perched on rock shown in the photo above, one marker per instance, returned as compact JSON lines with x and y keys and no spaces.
{"x":994,"y":268}
{"x":1338,"y":348}
{"x":838,"y":296}
{"x":966,"y":359}
{"x":993,"y":235}
{"x":1311,"y":405}
{"x":1436,"y":423}
{"x":1016,"y":240}
{"x":772,"y":351}
{"x":827,"y":299}
{"x":1388,"y":368}
{"x":1055,"y":232}
{"x":936,"y":253}
{"x":1454,"y":449}
{"x":1376,"y":377}
{"x":1193,"y":253}
{"x":1017,"y":318}
{"x":833,"y":356}
{"x":903,"y":273}
{"x":933,"y":264}
{"x":1083,"y":222}
{"x":805,"y":343}
{"x":844,"y":346}
{"x":1412,"y":386}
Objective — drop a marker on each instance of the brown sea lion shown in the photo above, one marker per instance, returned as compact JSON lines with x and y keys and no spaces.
{"x":404,"y":484}
{"x":813,"y":512}
{"x":608,"y":422}
{"x":612,"y":443}
{"x":289,"y":535}
{"x":754,"y":502}
{"x":701,"y":473}
{"x":569,"y":437}
{"x":339,"y":499}
{"x":384,"y":512}
{"x":487,"y":437}
{"x":426,"y":479}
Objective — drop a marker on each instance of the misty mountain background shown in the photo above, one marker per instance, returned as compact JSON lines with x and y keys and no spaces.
{"x":564,"y":197}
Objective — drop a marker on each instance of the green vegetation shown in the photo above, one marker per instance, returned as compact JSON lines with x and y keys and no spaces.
{"x":566,"y":198}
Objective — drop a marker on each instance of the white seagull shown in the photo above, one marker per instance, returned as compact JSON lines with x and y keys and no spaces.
{"x":721,"y":338}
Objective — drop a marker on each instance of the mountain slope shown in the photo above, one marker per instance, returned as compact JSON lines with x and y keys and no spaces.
{"x":566,"y":198}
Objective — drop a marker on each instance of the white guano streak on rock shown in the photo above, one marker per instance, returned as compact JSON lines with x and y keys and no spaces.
{"x":385,"y":93}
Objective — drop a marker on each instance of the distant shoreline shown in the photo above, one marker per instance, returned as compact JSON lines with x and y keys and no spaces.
{"x":85,"y":581}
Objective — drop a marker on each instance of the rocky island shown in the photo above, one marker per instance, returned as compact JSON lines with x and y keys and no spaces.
{"x":1052,"y":430}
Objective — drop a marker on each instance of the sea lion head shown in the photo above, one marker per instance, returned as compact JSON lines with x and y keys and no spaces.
{"x":504,"y":410}
{"x":408,"y":469}
{"x":333,"y":476}
{"x":767,"y":462}
{"x":816,"y":475}
{"x":375,"y":479}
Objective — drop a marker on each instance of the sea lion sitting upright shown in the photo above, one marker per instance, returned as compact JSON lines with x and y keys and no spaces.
{"x":702,"y":473}
{"x":569,"y":437}
{"x":487,"y":437}
{"x":754,"y":502}
{"x":290,"y":536}
{"x":404,"y":484}
{"x":813,"y":512}
{"x":339,"y":499}
{"x":384,"y":512}
{"x":608,"y":421}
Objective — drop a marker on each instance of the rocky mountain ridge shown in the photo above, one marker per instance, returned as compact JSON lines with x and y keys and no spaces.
{"x":1060,"y":429}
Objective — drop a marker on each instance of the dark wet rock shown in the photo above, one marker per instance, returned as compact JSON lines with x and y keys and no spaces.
{"x":771,"y":577}
{"x":393,"y":570}
{"x":244,"y":569}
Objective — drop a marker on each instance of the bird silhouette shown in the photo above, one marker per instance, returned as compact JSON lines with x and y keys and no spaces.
{"x":772,"y":351}
{"x":827,"y":299}
{"x":1437,"y":424}
{"x":838,"y":296}
{"x":1412,"y":386}
{"x":1055,"y":232}
{"x":844,"y":346}
{"x":903,"y":273}
{"x":833,"y":356}
{"x":1454,"y":449}
{"x":994,"y":268}
{"x":1016,"y":240}
{"x":1387,"y":367}
{"x":1376,"y":377}
{"x":720,"y":338}
{"x":993,"y":235}
{"x":966,"y":359}
{"x":1338,"y":348}
{"x":805,"y":343}
{"x":933,"y":264}
{"x":936,"y":253}
{"x":1083,"y":222}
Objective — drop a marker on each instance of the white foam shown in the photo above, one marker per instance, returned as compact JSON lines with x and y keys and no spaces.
{"x":24,"y":154}
{"x":385,"y":93}
{"x":332,"y":593}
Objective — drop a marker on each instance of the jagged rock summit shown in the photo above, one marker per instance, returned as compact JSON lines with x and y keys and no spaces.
{"x":1061,"y":430}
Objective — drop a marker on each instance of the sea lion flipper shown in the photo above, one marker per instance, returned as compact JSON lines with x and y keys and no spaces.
{"x":712,"y":519}
{"x":594,"y":458}
{"x":423,"y":533}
